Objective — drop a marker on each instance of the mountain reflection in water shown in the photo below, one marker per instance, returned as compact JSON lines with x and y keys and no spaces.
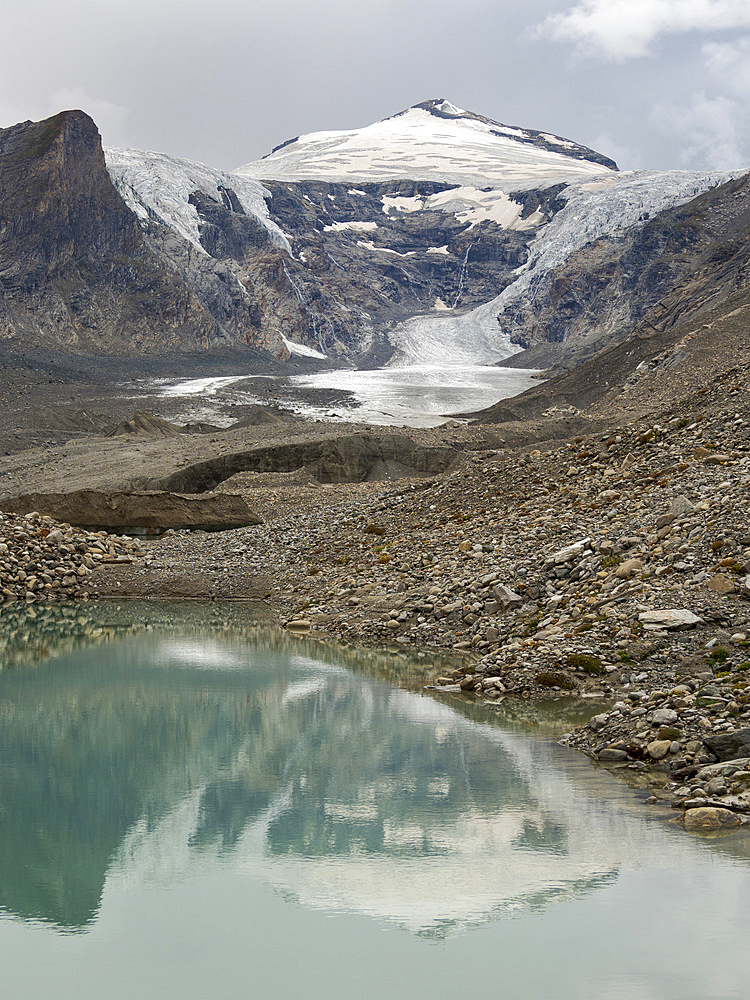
{"x":148,"y":758}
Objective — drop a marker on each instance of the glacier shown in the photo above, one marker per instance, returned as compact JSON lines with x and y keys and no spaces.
{"x":158,"y":186}
{"x":486,"y":164}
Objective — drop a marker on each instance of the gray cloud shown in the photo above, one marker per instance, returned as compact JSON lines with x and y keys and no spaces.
{"x":223,"y":82}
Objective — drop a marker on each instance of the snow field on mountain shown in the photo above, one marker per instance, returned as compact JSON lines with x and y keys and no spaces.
{"x":355,"y":227}
{"x":469,"y":204}
{"x":369,"y":245}
{"x":417,"y":144}
{"x":301,"y":350}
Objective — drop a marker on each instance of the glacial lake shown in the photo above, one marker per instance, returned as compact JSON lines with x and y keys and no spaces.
{"x":193,"y":805}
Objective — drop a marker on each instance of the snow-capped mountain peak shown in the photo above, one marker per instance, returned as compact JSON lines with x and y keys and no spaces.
{"x":434,"y":140}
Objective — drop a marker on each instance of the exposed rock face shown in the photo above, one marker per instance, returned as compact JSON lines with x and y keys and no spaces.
{"x":75,"y":270}
{"x":367,"y":257}
{"x":601,"y":292}
{"x":152,"y":511}
{"x":728,"y":746}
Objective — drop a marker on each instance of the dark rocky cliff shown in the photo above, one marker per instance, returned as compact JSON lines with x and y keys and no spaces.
{"x":75,"y":269}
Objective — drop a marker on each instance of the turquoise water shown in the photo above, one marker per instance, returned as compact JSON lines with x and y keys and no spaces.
{"x":193,"y":806}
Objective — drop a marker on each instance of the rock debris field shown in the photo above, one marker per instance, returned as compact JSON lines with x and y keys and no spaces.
{"x":43,"y":560}
{"x":613,"y":566}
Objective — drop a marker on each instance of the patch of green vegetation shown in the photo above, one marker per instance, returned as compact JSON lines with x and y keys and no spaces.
{"x":744,"y":666}
{"x":555,"y":678}
{"x":531,"y":626}
{"x":611,"y":561}
{"x":584,"y":661}
{"x":624,"y":657}
{"x":669,"y":733}
{"x":718,"y":655}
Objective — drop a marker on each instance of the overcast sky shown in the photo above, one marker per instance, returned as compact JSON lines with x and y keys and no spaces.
{"x":653,"y":83}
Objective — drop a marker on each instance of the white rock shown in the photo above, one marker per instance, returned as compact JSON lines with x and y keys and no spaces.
{"x":672,"y":618}
{"x":563,"y":555}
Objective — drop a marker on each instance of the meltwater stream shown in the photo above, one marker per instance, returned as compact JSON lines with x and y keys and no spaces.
{"x":195,"y":806}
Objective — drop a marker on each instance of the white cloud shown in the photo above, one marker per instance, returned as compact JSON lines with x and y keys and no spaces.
{"x":711,"y":124}
{"x":714,"y":128}
{"x":625,"y":156}
{"x":729,"y":62}
{"x":625,"y":29}
{"x":709,"y":130}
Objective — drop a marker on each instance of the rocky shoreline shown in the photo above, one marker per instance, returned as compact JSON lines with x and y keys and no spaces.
{"x":612,"y":566}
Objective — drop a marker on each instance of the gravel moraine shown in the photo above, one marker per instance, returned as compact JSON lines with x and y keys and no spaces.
{"x":41,"y":560}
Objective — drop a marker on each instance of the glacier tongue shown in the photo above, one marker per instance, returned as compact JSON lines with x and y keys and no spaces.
{"x":469,"y":338}
{"x":604,"y":206}
{"x":156,"y":185}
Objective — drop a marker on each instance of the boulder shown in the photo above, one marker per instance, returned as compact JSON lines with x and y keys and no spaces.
{"x":709,"y":819}
{"x":299,"y":625}
{"x":721,"y":584}
{"x":611,"y":754}
{"x":137,"y":513}
{"x":664,"y":717}
{"x":672,"y":619}
{"x":568,"y":553}
{"x":658,"y":749}
{"x":508,"y":599}
{"x":629,"y":568}
{"x":729,"y":746}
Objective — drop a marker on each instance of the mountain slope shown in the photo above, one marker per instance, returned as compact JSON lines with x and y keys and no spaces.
{"x":74,"y":267}
{"x":532,"y":307}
